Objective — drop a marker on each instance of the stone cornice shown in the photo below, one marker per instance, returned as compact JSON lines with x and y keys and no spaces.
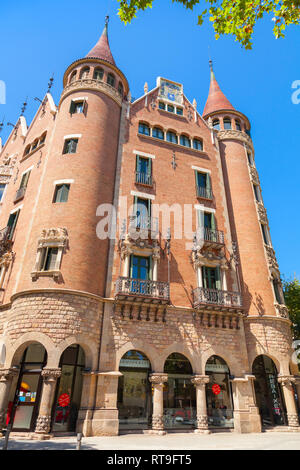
{"x":266,"y":318}
{"x":58,"y":291}
{"x":232,"y":134}
{"x":94,"y":85}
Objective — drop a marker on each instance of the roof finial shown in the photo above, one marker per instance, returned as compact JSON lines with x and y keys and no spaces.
{"x":212,"y":75}
{"x":106,"y":20}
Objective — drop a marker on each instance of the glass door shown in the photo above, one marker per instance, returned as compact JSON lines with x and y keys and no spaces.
{"x":140,"y":270}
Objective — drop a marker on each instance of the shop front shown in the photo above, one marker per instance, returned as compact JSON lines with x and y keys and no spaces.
{"x":219,"y":394}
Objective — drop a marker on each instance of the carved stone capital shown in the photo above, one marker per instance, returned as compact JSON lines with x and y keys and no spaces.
{"x":272,"y":261}
{"x":286,"y":380}
{"x":200,"y":380}
{"x":7,"y":374}
{"x":254,"y":175}
{"x":158,"y":378}
{"x":50,"y":375}
{"x":262,"y":213}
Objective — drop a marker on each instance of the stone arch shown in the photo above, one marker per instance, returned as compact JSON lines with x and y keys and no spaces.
{"x":177,"y":348}
{"x":276,"y":361}
{"x":234,"y":367}
{"x":15,"y":351}
{"x":90,"y":349}
{"x":146,"y":349}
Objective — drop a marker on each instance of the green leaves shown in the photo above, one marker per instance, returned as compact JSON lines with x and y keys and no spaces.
{"x":291,"y":290}
{"x":237,"y":18}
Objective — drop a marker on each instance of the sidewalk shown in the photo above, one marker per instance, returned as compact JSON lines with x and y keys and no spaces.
{"x":218,"y":441}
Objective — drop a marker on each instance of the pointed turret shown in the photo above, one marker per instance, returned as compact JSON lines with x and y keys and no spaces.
{"x":216,"y":100}
{"x":102,"y":50}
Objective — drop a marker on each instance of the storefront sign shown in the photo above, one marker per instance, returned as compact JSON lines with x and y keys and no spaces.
{"x":64,"y":400}
{"x":216,"y":389}
{"x":274,"y":393}
{"x":134,"y":363}
{"x":216,"y":368}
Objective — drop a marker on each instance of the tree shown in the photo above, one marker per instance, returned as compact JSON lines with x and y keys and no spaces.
{"x":291,"y":290}
{"x":237,"y":17}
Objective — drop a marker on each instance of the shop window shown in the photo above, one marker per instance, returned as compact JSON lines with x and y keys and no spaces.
{"x":179,"y":393}
{"x":219,"y":394}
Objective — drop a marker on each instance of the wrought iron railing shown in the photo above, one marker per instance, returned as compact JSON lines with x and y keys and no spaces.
{"x":5,"y":241}
{"x":20,"y":193}
{"x":210,"y":235}
{"x":143,"y":222}
{"x":206,"y":193}
{"x":203,"y":295}
{"x":143,"y":288}
{"x":143,"y":178}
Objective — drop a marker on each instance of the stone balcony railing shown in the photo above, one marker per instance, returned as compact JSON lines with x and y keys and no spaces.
{"x":216,"y":298}
{"x":142,"y":290}
{"x":92,"y":84}
{"x":229,"y":134}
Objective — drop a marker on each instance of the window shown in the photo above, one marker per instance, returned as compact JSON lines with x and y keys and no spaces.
{"x":61,"y":193}
{"x":2,"y":189}
{"x":73,"y":77}
{"x":250,"y":160}
{"x":70,"y":146}
{"x":24,"y":180}
{"x":27,"y":150}
{"x":277,"y":291}
{"x":42,"y":139}
{"x":216,"y":124}
{"x":197,"y":144}
{"x":158,"y":133}
{"x":77,"y":107}
{"x":161,"y":105}
{"x":238,"y":125}
{"x":139,"y":267}
{"x":49,"y":257}
{"x":227,"y":123}
{"x":34,"y":145}
{"x":185,"y":141}
{"x":111,"y":79}
{"x":248,"y":132}
{"x":11,"y":224}
{"x":179,"y":111}
{"x":203,"y":184}
{"x":98,"y":74}
{"x":170,"y":108}
{"x":172,"y":137}
{"x":120,"y":88}
{"x":257,"y":193}
{"x":143,"y":170}
{"x":265,"y":234}
{"x":211,"y":278}
{"x":85,"y":72}
{"x":144,"y":129}
{"x":142,"y":216}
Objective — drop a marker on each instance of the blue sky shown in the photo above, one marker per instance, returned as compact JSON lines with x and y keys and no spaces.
{"x":38,"y":38}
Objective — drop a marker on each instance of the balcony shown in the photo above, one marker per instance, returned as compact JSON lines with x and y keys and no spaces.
{"x":143,"y":225}
{"x":143,"y":178}
{"x":204,"y":193}
{"x":210,"y":237}
{"x":5,"y":242}
{"x":217,"y":299}
{"x":155,"y":292}
{"x":20,"y":194}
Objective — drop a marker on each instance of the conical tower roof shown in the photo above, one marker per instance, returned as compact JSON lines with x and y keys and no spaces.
{"x":102,"y":50}
{"x":216,"y":100}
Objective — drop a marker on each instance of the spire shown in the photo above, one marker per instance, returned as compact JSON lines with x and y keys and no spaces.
{"x":102,"y":50}
{"x":216,"y":100}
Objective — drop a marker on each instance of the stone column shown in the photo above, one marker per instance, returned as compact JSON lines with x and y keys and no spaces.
{"x":287,"y":382}
{"x":297,"y":384}
{"x":6,"y":377}
{"x":43,"y":422}
{"x":200,"y":382}
{"x":246,"y":414}
{"x":158,"y":380}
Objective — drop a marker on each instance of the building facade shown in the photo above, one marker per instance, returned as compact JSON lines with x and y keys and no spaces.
{"x":139,"y":287}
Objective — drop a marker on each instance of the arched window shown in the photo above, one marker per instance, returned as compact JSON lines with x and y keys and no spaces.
{"x":185,"y":141}
{"x":197,"y":144}
{"x":268,"y":392}
{"x":144,"y":129}
{"x":218,"y":393}
{"x":158,"y":133}
{"x":179,"y":393}
{"x":111,"y":79}
{"x":172,"y":137}
{"x":120,"y":88}
{"x":134,"y":391}
{"x":73,"y":76}
{"x":34,"y":145}
{"x":27,"y":150}
{"x":98,"y":74}
{"x":216,"y":124}
{"x":238,"y":125}
{"x":42,"y":138}
{"x":85,"y":72}
{"x":227,"y":123}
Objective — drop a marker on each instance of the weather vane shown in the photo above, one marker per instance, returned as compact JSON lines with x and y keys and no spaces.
{"x":107,"y":19}
{"x":50,"y":83}
{"x":1,"y":124}
{"x":24,"y":106}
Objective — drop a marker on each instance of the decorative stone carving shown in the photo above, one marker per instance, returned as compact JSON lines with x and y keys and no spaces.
{"x":262,"y":213}
{"x":281,"y":310}
{"x":272,"y":261}
{"x":91,"y":84}
{"x":43,"y":424}
{"x":51,"y":374}
{"x":202,"y":422}
{"x":254,"y":175}
{"x":7,"y":258}
{"x":129,"y":245}
{"x":157,"y":422}
{"x":293,"y":420}
{"x":202,"y":256}
{"x":158,"y":379}
{"x":6,"y":374}
{"x":200,"y":380}
{"x":286,"y":380}
{"x":230,"y":134}
{"x":57,"y":236}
